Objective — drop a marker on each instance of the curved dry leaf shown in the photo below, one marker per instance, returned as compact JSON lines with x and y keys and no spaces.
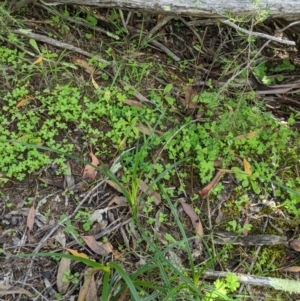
{"x":193,"y":217}
{"x":93,"y":245}
{"x":293,"y":269}
{"x":38,"y":60}
{"x":30,"y":218}
{"x":249,"y":135}
{"x":189,"y":95}
{"x":124,"y":294}
{"x":247,"y":167}
{"x":206,"y":190}
{"x":24,"y":101}
{"x":295,"y":244}
{"x":106,"y":246}
{"x":60,"y":237}
{"x":90,"y":172}
{"x":96,"y":86}
{"x":146,"y":130}
{"x":92,"y":294}
{"x":113,"y":185}
{"x":78,"y":254}
{"x":83,"y":63}
{"x":51,"y":182}
{"x":134,"y":103}
{"x":88,"y":291}
{"x":8,"y":290}
{"x":64,"y":265}
{"x":118,"y":200}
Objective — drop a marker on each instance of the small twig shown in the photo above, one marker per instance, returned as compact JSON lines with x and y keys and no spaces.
{"x":255,"y":257}
{"x":257,"y":34}
{"x":166,"y":50}
{"x":111,"y":229}
{"x":243,"y":69}
{"x":290,"y":25}
{"x":50,"y":4}
{"x":42,"y":38}
{"x":159,"y":25}
{"x":128,"y":18}
{"x":137,"y":94}
{"x":158,"y":45}
{"x":192,"y":29}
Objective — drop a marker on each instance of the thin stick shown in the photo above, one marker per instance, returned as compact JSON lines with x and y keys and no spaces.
{"x":158,"y":45}
{"x":257,"y":34}
{"x":42,"y":38}
{"x":290,"y":25}
{"x":159,"y":25}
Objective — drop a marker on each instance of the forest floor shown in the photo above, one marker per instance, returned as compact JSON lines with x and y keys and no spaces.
{"x":147,"y":157}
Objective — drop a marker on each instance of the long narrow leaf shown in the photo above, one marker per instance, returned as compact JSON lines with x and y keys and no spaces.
{"x":86,"y":261}
{"x":127,"y":279}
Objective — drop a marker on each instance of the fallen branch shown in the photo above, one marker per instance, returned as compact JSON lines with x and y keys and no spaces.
{"x":292,"y":286}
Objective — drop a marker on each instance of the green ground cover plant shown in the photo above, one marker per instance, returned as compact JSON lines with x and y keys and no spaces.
{"x":58,"y":108}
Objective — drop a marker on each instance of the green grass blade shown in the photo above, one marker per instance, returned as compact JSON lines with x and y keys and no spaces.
{"x":127,"y":279}
{"x":86,"y":261}
{"x":105,"y":287}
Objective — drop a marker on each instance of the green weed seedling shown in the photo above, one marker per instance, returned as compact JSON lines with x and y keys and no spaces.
{"x":223,"y":286}
{"x":68,"y":276}
{"x":84,"y":217}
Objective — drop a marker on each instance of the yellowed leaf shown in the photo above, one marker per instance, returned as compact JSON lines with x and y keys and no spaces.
{"x":38,"y":60}
{"x":90,"y":172}
{"x":249,"y":135}
{"x":121,"y":144}
{"x":189,"y":96}
{"x":247,"y":167}
{"x":78,"y":254}
{"x":24,"y":101}
{"x":96,"y":86}
{"x":64,"y":265}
